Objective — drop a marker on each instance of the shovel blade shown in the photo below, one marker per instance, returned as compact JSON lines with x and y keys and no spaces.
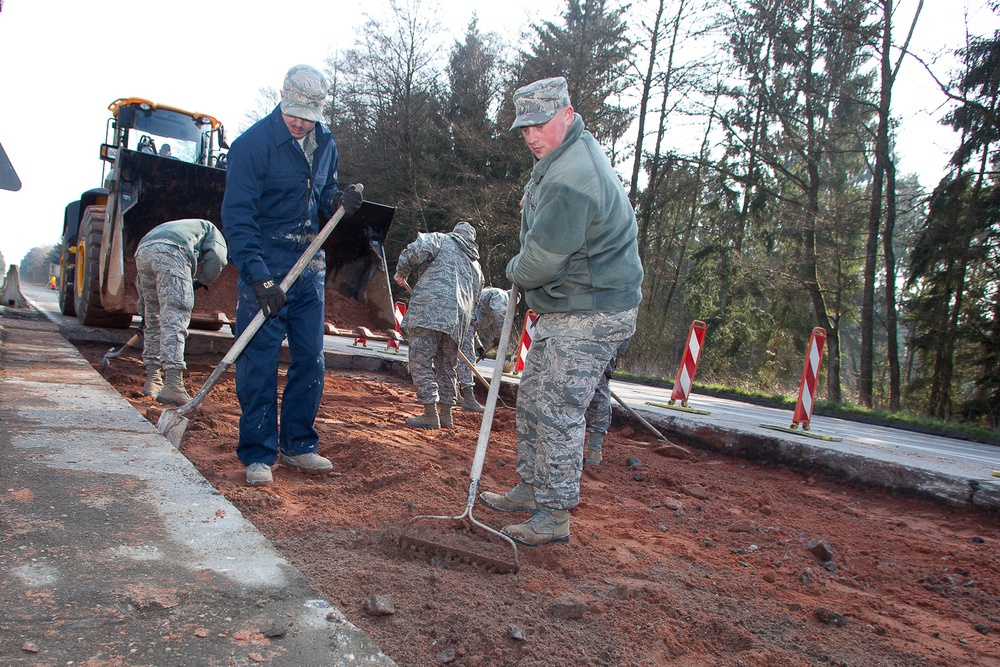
{"x":172,"y":425}
{"x":106,"y":361}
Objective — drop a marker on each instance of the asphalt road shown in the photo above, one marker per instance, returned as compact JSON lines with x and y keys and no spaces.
{"x":948,"y":468}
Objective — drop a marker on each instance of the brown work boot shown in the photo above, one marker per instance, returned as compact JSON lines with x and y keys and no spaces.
{"x":592,"y":454}
{"x":544,"y":527}
{"x":427,"y":420}
{"x":469,"y":401}
{"x":310,"y":463}
{"x":173,"y":388}
{"x":519,"y":499}
{"x":154,"y":381}
{"x":444,"y":412}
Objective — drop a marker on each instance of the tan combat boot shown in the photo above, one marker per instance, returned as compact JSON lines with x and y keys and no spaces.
{"x":592,"y":454}
{"x":173,"y":388}
{"x":445,"y":415}
{"x":469,"y":401}
{"x":544,"y":527}
{"x":427,"y":420}
{"x":519,"y":499}
{"x":154,"y":381}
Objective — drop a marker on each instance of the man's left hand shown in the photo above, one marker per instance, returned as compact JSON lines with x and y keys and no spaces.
{"x":350,"y":199}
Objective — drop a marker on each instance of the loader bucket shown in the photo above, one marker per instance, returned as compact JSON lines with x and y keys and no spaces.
{"x":162,"y":189}
{"x":353,"y":269}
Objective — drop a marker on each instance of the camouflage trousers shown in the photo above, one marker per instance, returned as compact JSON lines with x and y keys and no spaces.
{"x":566,"y":360}
{"x":433,"y":360}
{"x":465,"y":378}
{"x":598,"y":415}
{"x":166,"y":292}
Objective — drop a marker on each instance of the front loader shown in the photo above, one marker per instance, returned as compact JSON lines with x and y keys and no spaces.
{"x":167,"y":164}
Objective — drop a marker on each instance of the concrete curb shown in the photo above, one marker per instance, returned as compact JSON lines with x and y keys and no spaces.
{"x":118,"y":551}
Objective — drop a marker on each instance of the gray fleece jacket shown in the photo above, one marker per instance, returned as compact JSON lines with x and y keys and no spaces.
{"x":578,"y":233}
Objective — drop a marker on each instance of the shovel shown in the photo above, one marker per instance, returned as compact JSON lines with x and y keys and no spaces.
{"x":477,"y":470}
{"x":173,"y":422}
{"x":112,"y":353}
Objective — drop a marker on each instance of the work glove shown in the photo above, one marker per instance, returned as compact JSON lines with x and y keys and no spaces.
{"x":270,"y":296}
{"x":350,"y":199}
{"x":480,"y":353}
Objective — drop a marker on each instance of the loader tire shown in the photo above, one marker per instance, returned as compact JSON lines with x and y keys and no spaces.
{"x":67,"y":273}
{"x":88,"y":279}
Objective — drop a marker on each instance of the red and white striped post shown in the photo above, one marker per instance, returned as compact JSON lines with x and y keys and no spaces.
{"x":689,"y":363}
{"x":810,"y":374}
{"x":527,"y":331}
{"x":398,"y":310}
{"x":361,"y":340}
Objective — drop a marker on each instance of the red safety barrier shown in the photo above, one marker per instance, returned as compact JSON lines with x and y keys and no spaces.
{"x":527,"y":331}
{"x":810,"y":374}
{"x":689,"y":363}
{"x":398,"y":311}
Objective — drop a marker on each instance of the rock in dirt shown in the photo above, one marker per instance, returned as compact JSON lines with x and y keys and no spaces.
{"x":830,"y":617}
{"x":633,"y":462}
{"x":380,"y":605}
{"x":446,"y":656}
{"x":568,"y":607}
{"x":695,"y":491}
{"x":821,"y":549}
{"x":982,"y":628}
{"x":514,"y":632}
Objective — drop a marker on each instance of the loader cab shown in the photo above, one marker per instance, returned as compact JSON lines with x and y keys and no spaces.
{"x":144,"y":127}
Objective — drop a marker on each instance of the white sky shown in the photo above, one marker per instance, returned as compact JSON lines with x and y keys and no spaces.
{"x":63,"y":61}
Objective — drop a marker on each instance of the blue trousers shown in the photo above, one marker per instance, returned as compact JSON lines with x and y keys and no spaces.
{"x":301,"y":320}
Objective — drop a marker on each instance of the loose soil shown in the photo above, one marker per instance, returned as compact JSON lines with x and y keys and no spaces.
{"x":689,"y":562}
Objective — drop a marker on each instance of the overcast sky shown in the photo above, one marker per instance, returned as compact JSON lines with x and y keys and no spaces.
{"x":63,"y":61}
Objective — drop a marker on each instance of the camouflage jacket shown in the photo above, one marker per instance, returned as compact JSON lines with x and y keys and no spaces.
{"x":487,"y":318}
{"x":449,"y":281}
{"x":201,"y":241}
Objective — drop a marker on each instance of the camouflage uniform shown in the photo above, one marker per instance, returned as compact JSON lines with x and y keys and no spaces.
{"x":487,"y":320}
{"x":565,"y":362}
{"x":580,"y":271}
{"x":167,"y":261}
{"x":598,"y":415}
{"x":449,"y":281}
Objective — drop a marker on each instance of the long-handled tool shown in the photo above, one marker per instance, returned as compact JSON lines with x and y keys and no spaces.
{"x":498,"y":565}
{"x":172,"y":422}
{"x":376,"y":246}
{"x":649,"y":427}
{"x":112,"y":353}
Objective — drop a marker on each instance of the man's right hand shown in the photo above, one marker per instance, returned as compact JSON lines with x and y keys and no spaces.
{"x":270,"y":296}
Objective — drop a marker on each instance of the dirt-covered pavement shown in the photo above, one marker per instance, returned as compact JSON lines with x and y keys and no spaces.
{"x":672,"y":561}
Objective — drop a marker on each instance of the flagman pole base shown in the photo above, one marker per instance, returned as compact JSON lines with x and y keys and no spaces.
{"x":680,"y":408}
{"x":804,"y":431}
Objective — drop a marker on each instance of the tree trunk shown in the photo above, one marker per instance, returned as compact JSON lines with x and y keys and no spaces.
{"x":891,"y":317}
{"x":875,"y":215}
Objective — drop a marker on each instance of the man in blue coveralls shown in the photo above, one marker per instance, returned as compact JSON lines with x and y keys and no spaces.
{"x":281,"y":187}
